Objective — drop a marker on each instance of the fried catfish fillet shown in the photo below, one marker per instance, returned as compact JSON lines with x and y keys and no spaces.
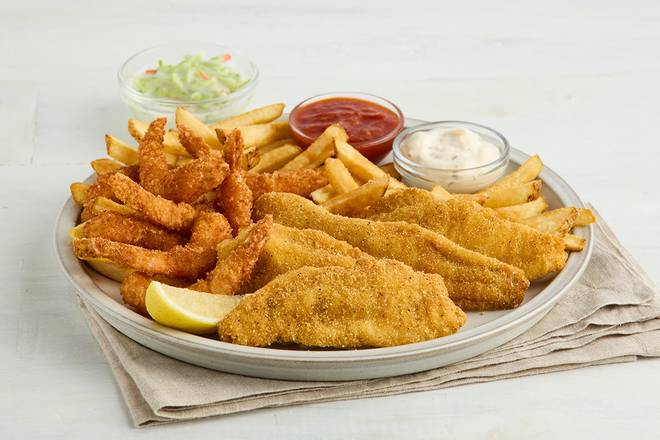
{"x":374,"y":303}
{"x":476,"y":228}
{"x":474,"y":281}
{"x":288,"y":249}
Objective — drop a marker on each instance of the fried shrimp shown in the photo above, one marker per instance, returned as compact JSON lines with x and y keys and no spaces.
{"x":233,"y":269}
{"x":151,"y":157}
{"x":301,"y":182}
{"x":176,"y":216}
{"x":195,"y":145}
{"x":234,"y":153}
{"x":234,"y":196}
{"x":235,"y":200}
{"x":190,"y":261}
{"x":102,"y":188}
{"x":134,"y":289}
{"x":180,"y":184}
{"x":131,"y":230}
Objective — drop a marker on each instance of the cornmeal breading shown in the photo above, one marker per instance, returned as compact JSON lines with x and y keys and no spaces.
{"x":290,"y":248}
{"x":374,"y":303}
{"x":474,"y":281}
{"x":476,"y":228}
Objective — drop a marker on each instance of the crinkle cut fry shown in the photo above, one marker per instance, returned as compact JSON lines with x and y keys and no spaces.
{"x":231,"y":272}
{"x":301,"y":182}
{"x":176,"y":216}
{"x":191,"y":261}
{"x":131,"y":230}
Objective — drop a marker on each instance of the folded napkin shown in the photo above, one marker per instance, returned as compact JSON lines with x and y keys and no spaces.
{"x":611,"y":315}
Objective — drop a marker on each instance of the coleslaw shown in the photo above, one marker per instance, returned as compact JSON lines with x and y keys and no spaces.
{"x":195,"y":78}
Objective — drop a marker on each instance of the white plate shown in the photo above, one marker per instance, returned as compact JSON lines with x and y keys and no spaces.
{"x":481,"y":333}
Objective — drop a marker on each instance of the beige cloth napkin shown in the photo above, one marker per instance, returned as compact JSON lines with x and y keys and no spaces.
{"x":611,"y":315}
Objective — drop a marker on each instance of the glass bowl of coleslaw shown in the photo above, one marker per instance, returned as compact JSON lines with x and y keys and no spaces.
{"x":212,"y":81}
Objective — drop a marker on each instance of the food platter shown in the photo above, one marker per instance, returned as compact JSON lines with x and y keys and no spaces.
{"x":482,"y":332}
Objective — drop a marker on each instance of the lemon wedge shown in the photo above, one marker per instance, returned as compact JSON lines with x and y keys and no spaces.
{"x":188,"y":310}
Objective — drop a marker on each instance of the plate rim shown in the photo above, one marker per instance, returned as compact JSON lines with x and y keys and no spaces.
{"x":77,"y":275}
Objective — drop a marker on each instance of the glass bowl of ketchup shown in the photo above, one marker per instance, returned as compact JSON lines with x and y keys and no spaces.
{"x":370,"y":121}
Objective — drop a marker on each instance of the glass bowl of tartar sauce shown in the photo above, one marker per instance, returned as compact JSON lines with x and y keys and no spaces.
{"x":462,"y":157}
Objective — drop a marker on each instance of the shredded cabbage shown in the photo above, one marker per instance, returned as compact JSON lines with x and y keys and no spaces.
{"x":195,"y":78}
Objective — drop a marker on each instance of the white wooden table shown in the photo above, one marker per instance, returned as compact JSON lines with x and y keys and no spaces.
{"x":577,"y":82}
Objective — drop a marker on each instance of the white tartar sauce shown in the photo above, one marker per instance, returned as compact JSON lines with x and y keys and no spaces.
{"x":449,"y":149}
{"x":445,"y":155}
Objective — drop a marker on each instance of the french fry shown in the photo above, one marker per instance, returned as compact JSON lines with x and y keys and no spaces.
{"x":513,"y":195}
{"x":102,"y":265}
{"x":574,"y":243}
{"x":442,"y":194}
{"x":339,"y":176}
{"x":257,"y":135}
{"x":270,"y":147}
{"x":389,"y":169}
{"x":120,"y":151}
{"x":79,"y":192}
{"x":478,"y":198}
{"x":128,"y":155}
{"x":585,"y":217}
{"x":353,"y":202}
{"x":260,"y":115}
{"x":558,"y":221}
{"x":394,"y":185}
{"x":103,"y":204}
{"x":276,"y":159}
{"x":322,"y":148}
{"x":197,"y":127}
{"x":527,"y":172}
{"x":357,"y":164}
{"x":181,"y":160}
{"x":523,"y":211}
{"x":171,"y":143}
{"x":137,"y":129}
{"x":323,"y":194}
{"x":105,"y":166}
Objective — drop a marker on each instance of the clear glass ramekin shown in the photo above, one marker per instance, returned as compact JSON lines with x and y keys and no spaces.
{"x":466,"y":180}
{"x":374,"y":149}
{"x":147,"y":108}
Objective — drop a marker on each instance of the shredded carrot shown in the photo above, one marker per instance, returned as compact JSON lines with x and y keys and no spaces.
{"x":151,"y":71}
{"x":226,"y":57}
{"x":203,"y":75}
